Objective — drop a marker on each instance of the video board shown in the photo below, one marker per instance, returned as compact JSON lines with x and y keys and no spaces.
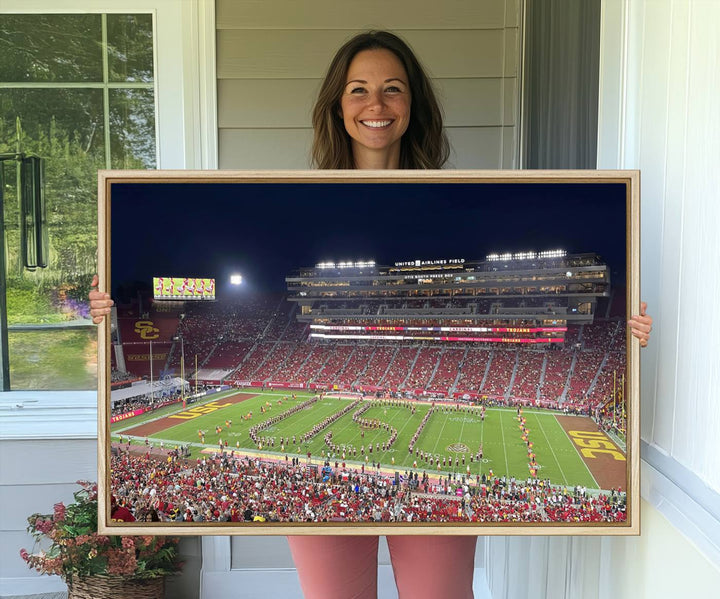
{"x":183,"y":288}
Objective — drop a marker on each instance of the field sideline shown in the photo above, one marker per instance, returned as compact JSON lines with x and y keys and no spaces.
{"x":569,"y":453}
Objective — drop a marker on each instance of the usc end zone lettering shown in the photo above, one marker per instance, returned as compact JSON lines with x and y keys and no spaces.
{"x":200,"y":410}
{"x":591,"y":443}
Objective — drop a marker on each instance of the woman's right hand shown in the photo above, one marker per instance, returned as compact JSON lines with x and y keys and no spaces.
{"x":100,"y":303}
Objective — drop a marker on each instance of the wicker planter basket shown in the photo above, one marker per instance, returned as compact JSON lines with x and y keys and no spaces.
{"x":116,"y":587}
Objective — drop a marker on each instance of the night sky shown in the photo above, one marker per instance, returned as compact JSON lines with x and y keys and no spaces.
{"x":265,"y":231}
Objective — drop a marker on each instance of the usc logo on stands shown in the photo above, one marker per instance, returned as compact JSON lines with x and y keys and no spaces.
{"x":146,"y":330}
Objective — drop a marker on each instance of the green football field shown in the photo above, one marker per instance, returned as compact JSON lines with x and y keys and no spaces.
{"x":448,"y":433}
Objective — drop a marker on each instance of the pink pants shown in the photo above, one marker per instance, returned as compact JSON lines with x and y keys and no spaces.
{"x":345,"y":567}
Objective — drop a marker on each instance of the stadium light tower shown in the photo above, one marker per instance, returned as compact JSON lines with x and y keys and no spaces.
{"x":182,"y":367}
{"x":236,"y":279}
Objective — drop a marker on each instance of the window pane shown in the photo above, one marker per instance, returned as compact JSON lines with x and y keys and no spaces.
{"x":132,"y":128}
{"x":39,"y":48}
{"x":53,"y":359}
{"x":52,"y":344}
{"x":65,"y":128}
{"x":50,"y":118}
{"x":130,"y":48}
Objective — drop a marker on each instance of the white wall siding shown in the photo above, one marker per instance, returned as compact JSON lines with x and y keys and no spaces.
{"x":271,"y":59}
{"x":331,"y":14}
{"x":36,"y":474}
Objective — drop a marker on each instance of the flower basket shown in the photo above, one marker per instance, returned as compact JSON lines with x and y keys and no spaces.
{"x":116,"y":587}
{"x":96,"y":566}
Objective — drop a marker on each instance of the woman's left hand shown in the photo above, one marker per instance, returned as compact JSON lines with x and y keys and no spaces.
{"x":641,"y":325}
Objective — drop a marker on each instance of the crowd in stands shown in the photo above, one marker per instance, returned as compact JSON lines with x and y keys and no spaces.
{"x":296,"y":360}
{"x":399,"y":368}
{"x":447,"y":370}
{"x":557,"y":367}
{"x":424,"y":368}
{"x":503,"y":364}
{"x":225,"y":355}
{"x":527,"y":374}
{"x":230,"y":488}
{"x":315,"y":357}
{"x":261,"y":340}
{"x":356,"y":362}
{"x":252,"y":361}
{"x":117,"y":376}
{"x":473,"y":370}
{"x":586,"y":367}
{"x":144,"y":402}
{"x":281,"y":352}
{"x":377,"y":366}
{"x":334,"y":365}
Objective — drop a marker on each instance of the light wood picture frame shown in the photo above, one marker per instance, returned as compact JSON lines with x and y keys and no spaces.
{"x":409,"y":352}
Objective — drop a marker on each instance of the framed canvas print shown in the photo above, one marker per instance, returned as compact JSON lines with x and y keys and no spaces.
{"x":369,"y":352}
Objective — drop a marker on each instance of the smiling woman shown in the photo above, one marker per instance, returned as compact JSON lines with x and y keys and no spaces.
{"x":364,"y":106}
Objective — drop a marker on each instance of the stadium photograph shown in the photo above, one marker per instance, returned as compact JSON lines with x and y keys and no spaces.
{"x":368,"y":353}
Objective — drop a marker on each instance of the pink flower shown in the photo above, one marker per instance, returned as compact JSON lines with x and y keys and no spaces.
{"x":53,"y":566}
{"x":43,"y":526}
{"x":128,"y":543}
{"x":121,"y":562}
{"x":59,"y":509}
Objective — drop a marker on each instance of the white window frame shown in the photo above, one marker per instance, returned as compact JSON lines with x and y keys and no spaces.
{"x":186,"y":136}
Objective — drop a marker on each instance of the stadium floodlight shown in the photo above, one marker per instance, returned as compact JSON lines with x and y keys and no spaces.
{"x":236,"y":279}
{"x":524,"y":256}
{"x":552,"y":254}
{"x":347,"y":264}
{"x":365,"y":264}
{"x":495,"y":257}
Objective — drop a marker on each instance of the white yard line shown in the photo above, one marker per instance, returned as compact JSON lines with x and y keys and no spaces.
{"x":542,"y":428}
{"x":462,"y":428}
{"x":575,"y":448}
{"x":502,"y":431}
{"x":439,"y":436}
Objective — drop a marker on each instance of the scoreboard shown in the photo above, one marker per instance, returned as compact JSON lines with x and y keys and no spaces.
{"x":183,"y":288}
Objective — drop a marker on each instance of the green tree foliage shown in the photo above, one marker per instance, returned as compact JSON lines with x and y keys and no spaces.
{"x":66,"y":127}
{"x":66,"y":76}
{"x":40,"y":48}
{"x":71,"y":198}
